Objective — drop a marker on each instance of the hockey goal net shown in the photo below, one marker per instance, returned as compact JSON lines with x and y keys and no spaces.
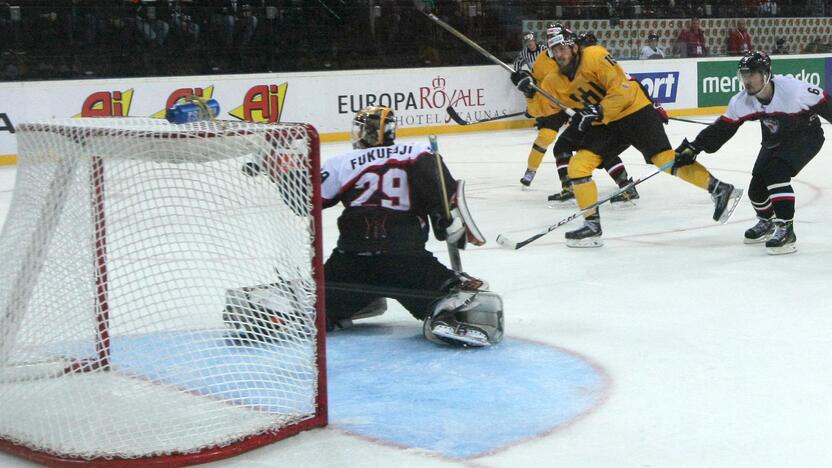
{"x":159,"y":304}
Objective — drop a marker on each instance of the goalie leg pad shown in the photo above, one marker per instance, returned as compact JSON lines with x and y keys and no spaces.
{"x":265,"y":313}
{"x":466,"y":318}
{"x":460,"y":209}
{"x":373,"y":309}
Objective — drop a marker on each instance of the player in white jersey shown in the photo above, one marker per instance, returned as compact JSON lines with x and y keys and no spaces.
{"x":788,"y":111}
{"x":389,"y":192}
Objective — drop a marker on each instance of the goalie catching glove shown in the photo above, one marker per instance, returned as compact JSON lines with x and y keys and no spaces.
{"x":523,"y":81}
{"x":460,"y":228}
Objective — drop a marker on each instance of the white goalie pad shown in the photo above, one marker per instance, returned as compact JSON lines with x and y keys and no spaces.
{"x":466,"y":318}
{"x":266,"y":312}
{"x":473,"y":233}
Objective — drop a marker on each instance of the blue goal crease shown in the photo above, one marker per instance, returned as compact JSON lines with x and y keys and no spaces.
{"x":461,"y":403}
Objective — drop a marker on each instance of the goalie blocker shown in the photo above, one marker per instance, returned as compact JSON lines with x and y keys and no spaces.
{"x":461,"y":228}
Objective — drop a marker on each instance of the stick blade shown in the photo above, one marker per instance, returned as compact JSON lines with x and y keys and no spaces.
{"x":455,"y":116}
{"x":506,"y":243}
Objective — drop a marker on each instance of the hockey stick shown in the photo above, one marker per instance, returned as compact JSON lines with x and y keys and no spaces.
{"x":456,"y":117}
{"x":690,"y":121}
{"x":507,"y":243}
{"x":494,"y":59}
{"x":453,"y":250}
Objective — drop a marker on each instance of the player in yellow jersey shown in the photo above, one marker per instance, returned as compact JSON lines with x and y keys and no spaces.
{"x":549,"y":121}
{"x":613,"y":111}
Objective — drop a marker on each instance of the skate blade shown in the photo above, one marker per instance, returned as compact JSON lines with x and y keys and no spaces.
{"x":783,"y":250}
{"x":447,"y":333}
{"x":736,"y":196}
{"x":588,"y":243}
{"x":561,"y":203}
{"x":761,"y":240}
{"x":624,"y":205}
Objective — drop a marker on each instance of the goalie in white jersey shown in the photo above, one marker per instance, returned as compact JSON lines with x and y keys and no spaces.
{"x":390,"y":192}
{"x":788,"y":111}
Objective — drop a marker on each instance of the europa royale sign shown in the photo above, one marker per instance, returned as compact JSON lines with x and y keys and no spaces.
{"x":717,"y":81}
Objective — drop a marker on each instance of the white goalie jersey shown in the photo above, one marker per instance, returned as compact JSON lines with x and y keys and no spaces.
{"x":375,"y":176}
{"x":388,"y":193}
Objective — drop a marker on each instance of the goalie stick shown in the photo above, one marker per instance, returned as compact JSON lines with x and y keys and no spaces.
{"x":507,"y":243}
{"x":453,"y":250}
{"x":494,"y":59}
{"x":459,"y":120}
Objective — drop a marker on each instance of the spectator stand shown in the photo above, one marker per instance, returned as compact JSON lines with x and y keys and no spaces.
{"x":624,"y":38}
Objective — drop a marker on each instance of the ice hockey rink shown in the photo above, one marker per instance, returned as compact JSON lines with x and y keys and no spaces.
{"x":673,"y":345}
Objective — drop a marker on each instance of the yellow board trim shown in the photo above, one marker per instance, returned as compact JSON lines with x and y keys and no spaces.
{"x":713,"y":110}
{"x":8,"y":159}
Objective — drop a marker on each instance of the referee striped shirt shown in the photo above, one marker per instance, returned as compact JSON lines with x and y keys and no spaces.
{"x":527,"y":57}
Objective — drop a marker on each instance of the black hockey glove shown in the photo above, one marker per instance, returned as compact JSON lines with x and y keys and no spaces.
{"x":582,"y":119}
{"x":523,"y":80}
{"x":685,"y":155}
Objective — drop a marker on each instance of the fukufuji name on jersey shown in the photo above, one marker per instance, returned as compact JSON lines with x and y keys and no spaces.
{"x":341,"y":173}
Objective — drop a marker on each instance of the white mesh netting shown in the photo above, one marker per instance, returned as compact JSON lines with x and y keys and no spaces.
{"x":155,"y":298}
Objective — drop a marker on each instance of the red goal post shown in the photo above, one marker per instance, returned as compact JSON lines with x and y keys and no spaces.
{"x":157,"y":303}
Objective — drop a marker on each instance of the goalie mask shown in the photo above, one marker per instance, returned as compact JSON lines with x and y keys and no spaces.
{"x":373,"y":126}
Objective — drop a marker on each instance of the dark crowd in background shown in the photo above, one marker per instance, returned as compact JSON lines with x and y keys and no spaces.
{"x":70,"y":39}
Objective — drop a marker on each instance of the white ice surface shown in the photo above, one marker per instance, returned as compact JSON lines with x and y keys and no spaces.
{"x":717,"y":353}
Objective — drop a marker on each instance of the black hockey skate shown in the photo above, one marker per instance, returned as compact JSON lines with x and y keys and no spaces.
{"x":726,"y":198}
{"x":626,"y":198}
{"x":563,"y":196}
{"x":588,"y":235}
{"x":528,"y":177}
{"x":783,"y":240}
{"x":760,"y":232}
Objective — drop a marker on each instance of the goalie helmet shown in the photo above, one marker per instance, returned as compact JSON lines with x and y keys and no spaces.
{"x":755,"y":61}
{"x":373,"y":126}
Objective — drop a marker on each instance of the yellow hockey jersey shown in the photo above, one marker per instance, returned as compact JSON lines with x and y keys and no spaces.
{"x":599,"y":79}
{"x":539,"y":106}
